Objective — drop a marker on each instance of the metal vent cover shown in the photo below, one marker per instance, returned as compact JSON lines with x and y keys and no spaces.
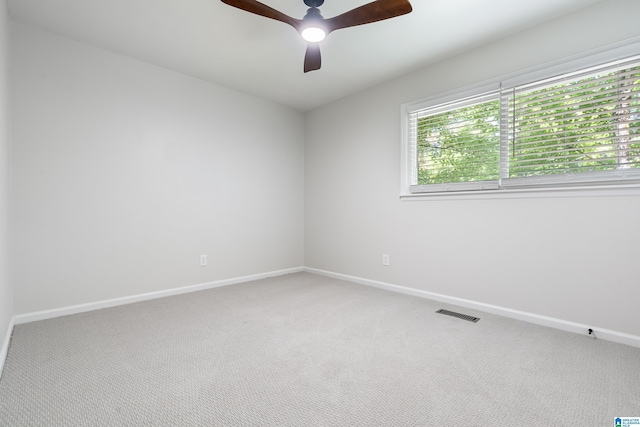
{"x":459,"y":315}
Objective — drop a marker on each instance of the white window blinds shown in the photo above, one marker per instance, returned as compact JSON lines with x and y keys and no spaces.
{"x":456,"y":146}
{"x":579,"y":128}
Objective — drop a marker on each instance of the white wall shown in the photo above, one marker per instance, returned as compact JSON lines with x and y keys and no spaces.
{"x":124,"y":173}
{"x":573,"y":259}
{"x":6,"y":289}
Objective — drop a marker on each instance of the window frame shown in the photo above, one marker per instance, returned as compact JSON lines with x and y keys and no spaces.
{"x":593,"y":58}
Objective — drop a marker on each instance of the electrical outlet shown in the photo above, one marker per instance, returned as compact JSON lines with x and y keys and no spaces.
{"x":203,"y":260}
{"x":385,"y":259}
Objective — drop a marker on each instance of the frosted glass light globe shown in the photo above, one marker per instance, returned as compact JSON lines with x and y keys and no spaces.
{"x":313,"y":34}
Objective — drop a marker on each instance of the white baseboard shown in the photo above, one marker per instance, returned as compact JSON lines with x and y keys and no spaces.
{"x":81,"y":308}
{"x":604,"y":334}
{"x":5,"y":345}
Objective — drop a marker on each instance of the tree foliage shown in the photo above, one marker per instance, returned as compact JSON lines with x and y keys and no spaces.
{"x":584,"y":125}
{"x":460,"y":145}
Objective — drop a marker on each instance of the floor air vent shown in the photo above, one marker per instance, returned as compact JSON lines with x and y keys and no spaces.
{"x":459,"y":315}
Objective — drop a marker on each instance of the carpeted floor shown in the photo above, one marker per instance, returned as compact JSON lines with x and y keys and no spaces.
{"x":307,"y":350}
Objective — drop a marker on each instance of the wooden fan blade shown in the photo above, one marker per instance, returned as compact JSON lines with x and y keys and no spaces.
{"x":261,"y":9}
{"x":372,"y":12}
{"x":312,"y":58}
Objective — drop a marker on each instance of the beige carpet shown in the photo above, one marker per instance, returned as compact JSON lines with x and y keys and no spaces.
{"x":306,"y":350}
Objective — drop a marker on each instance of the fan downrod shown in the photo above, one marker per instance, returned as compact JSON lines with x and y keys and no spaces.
{"x":314,"y":3}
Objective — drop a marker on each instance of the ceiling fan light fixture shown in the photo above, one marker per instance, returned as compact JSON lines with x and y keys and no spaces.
{"x":314,"y":28}
{"x":313,"y":34}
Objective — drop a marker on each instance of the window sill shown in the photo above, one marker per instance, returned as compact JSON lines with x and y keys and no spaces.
{"x":620,"y":190}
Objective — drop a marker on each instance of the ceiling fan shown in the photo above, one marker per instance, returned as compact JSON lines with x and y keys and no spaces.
{"x":314,"y":28}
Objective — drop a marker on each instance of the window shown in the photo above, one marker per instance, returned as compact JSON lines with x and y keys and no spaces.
{"x":576,"y":129}
{"x":457,"y":144}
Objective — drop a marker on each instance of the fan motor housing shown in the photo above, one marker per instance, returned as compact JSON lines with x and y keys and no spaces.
{"x":313,"y":3}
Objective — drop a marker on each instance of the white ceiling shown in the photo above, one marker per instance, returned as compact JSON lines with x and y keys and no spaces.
{"x":211,"y":41}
